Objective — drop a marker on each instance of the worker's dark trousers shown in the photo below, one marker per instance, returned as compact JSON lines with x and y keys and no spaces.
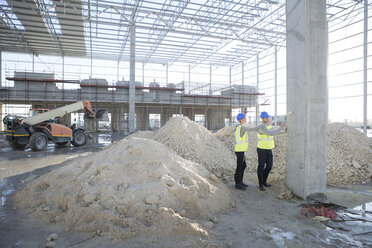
{"x":240,"y":167}
{"x":265,"y":157}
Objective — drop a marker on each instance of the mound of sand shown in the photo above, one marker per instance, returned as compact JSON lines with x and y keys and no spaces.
{"x":196,"y":143}
{"x":349,"y":154}
{"x":133,"y":187}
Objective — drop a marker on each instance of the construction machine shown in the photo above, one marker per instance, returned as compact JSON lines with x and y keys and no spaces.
{"x":39,"y":129}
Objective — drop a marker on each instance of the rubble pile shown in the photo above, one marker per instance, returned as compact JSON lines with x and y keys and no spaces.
{"x":134,"y":187}
{"x":349,"y":154}
{"x":196,"y":143}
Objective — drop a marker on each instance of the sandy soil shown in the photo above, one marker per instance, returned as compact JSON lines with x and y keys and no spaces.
{"x":258,"y":220}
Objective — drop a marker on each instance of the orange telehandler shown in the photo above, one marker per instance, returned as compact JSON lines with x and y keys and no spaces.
{"x":38,"y":130}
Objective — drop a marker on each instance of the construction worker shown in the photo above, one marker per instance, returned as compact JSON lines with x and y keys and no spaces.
{"x":241,"y":146}
{"x":265,"y":144}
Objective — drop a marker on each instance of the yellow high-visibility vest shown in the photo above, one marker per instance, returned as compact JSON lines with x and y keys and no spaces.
{"x":241,"y":143}
{"x":265,"y":141}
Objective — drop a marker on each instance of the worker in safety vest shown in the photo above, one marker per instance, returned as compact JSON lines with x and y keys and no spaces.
{"x":241,"y":146}
{"x":265,"y":144}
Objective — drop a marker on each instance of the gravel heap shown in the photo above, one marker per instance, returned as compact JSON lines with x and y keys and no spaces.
{"x":133,"y":187}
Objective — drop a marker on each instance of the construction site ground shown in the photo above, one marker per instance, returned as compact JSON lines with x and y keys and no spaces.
{"x":259,"y":219}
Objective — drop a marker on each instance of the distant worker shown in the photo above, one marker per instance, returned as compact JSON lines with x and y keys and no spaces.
{"x":265,"y":144}
{"x":241,"y":146}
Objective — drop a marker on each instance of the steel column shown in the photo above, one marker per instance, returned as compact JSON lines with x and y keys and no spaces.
{"x":132,"y":78}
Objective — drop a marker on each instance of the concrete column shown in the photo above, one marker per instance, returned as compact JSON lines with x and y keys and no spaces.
{"x":365,"y":67}
{"x":165,"y":115}
{"x":218,"y":118}
{"x":122,"y":118}
{"x":147,"y":118}
{"x":307,"y":97}
{"x":132,"y":68}
{"x":140,"y":118}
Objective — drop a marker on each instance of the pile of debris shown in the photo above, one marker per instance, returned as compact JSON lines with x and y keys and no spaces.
{"x":133,"y":187}
{"x":349,"y":154}
{"x":196,"y":143}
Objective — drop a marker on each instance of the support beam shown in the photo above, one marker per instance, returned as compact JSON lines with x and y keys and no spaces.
{"x":307,"y":97}
{"x":276,"y":82}
{"x":230,"y":86}
{"x":132,"y":78}
{"x":365,"y":67}
{"x":189,"y":78}
{"x":63,"y":68}
{"x":117,"y":71}
{"x":33,"y":62}
{"x":143,"y":74}
{"x":166,"y":73}
{"x":243,"y":74}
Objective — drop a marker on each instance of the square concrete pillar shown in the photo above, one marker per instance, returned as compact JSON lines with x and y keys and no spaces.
{"x":307,"y":97}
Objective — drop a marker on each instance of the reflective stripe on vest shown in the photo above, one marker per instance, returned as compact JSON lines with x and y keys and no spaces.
{"x":241,"y":143}
{"x":265,"y":141}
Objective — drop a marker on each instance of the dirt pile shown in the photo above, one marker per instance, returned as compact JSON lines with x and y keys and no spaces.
{"x":349,"y":154}
{"x":134,"y":187}
{"x":196,"y":143}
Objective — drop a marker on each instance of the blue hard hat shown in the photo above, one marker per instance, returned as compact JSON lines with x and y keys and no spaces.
{"x":264,"y":115}
{"x":240,"y":116}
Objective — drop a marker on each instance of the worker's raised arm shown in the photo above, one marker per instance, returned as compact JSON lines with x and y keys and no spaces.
{"x":264,"y":130}
{"x":247,"y":129}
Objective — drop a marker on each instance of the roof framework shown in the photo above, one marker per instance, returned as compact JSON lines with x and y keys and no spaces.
{"x":213,"y":32}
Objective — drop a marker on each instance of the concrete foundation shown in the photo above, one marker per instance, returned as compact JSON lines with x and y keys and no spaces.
{"x":306,"y":97}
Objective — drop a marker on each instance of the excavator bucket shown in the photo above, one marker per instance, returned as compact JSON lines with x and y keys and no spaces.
{"x":101,"y":114}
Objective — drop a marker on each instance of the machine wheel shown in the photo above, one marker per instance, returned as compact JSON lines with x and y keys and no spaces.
{"x":17,"y":146}
{"x":79,"y":138}
{"x":60,"y":144}
{"x":38,"y":141}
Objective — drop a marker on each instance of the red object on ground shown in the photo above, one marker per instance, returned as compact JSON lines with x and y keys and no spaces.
{"x":319,"y":211}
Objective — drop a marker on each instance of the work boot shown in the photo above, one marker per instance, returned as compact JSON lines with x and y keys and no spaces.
{"x":244,"y":185}
{"x":266,"y":184}
{"x":240,"y":187}
{"x":261,"y":188}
